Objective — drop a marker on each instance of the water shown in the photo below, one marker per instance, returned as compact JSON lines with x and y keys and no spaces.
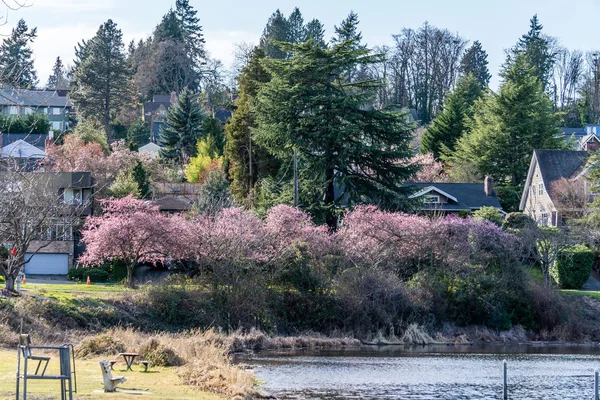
{"x":430,"y":372}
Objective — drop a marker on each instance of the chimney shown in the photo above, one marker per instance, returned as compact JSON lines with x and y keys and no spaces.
{"x":488,"y":187}
{"x":173,"y":97}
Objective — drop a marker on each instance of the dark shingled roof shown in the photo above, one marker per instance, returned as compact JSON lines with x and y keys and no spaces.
{"x":161,"y":98}
{"x":173,"y":204}
{"x":35,"y":139}
{"x":470,"y":196}
{"x":556,"y":164}
{"x":32,"y":98}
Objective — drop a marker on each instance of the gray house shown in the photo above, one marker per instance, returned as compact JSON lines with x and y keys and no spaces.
{"x":53,"y":103}
{"x":548,"y":166}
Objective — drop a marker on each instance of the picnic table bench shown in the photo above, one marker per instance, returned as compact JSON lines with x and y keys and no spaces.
{"x":128,"y":357}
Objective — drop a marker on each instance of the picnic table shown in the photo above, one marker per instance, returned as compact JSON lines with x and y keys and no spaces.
{"x":128,"y":357}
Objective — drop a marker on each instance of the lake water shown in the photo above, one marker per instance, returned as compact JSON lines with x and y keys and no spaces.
{"x":429,"y":372}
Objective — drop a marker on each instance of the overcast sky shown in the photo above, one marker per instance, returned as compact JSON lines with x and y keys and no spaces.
{"x":497,"y":24}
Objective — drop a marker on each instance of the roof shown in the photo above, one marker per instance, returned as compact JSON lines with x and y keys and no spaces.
{"x":469,"y":196}
{"x":32,"y":98}
{"x":161,"y":98}
{"x":21,"y":149}
{"x":174,"y":204}
{"x":36,"y":139}
{"x":223,"y":115}
{"x":152,"y":106}
{"x":152,"y":148}
{"x":572,"y":131}
{"x":554,"y":165}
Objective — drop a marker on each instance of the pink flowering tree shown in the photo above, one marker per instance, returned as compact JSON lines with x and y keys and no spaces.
{"x":130,"y":230}
{"x":431,"y":169}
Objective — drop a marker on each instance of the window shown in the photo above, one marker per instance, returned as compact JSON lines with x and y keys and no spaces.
{"x":27,"y":110}
{"x":57,"y":125}
{"x":431,"y":199}
{"x":59,"y":231}
{"x":13,"y":110}
{"x":544,"y":218}
{"x":162,"y":113}
{"x":541,"y":189}
{"x":56,"y":110}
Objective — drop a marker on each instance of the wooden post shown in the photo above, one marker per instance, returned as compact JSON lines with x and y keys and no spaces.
{"x":505,"y":386}
{"x":596,"y":394}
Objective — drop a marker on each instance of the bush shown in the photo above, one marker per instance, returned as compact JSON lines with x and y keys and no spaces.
{"x":573,"y":267}
{"x":517,"y":220}
{"x":103,"y":345}
{"x":159,"y":355}
{"x":490,"y":214}
{"x":95,"y":274}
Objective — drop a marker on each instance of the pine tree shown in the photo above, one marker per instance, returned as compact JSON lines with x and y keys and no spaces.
{"x":277,"y":30}
{"x":316,"y":31}
{"x":169,"y":28}
{"x":507,"y":127}
{"x":536,"y":48}
{"x":191,"y":30}
{"x":140,"y":176}
{"x":475,"y":62}
{"x":183,"y":128}
{"x":296,"y":29}
{"x":16,"y":63}
{"x":58,"y":80}
{"x":212,"y":128}
{"x":246,"y":161}
{"x":349,"y":151}
{"x":348,"y":31}
{"x":100,"y":81}
{"x":449,"y":125}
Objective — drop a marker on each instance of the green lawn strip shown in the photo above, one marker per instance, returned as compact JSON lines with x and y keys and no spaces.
{"x":163,"y":383}
{"x":582,"y":293}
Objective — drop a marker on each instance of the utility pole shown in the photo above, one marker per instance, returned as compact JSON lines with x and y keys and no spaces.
{"x":295,"y":177}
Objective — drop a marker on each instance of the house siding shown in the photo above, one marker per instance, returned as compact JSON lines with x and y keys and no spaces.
{"x":537,"y":204}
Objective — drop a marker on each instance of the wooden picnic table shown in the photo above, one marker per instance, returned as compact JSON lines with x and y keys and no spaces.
{"x":128,"y":357}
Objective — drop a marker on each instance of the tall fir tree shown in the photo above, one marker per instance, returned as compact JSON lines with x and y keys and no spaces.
{"x":140,"y":176}
{"x":183,"y":128}
{"x":16,"y":62}
{"x":58,"y":79}
{"x":316,"y":31}
{"x":449,"y":125}
{"x":475,"y":62}
{"x":277,"y":30}
{"x":296,"y":28}
{"x":348,"y":31}
{"x":507,"y":127}
{"x":350,"y":152}
{"x":100,"y":82}
{"x":246,"y":161}
{"x":213,"y":129}
{"x":536,"y":47}
{"x":191,"y":30}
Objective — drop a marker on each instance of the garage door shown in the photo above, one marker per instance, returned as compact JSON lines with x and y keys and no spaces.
{"x":47,"y":264}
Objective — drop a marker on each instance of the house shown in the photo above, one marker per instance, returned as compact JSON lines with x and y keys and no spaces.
{"x":53,"y":103}
{"x":155,"y":113}
{"x":548,"y":166}
{"x":59,"y":246}
{"x":583,"y":139}
{"x":151,"y":148}
{"x":26,"y":150}
{"x":175,"y":197}
{"x":454,"y":198}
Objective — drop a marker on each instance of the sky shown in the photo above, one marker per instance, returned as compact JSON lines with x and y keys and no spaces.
{"x":497,"y":24}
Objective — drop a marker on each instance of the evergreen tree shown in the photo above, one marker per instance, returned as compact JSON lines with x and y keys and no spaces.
{"x":449,"y":125}
{"x":124,"y":185}
{"x":183,"y":128}
{"x":140,"y":176}
{"x":100,"y":81}
{"x":246,"y":161}
{"x":16,"y":62}
{"x":277,"y":30}
{"x":348,"y":150}
{"x":296,"y":29}
{"x":537,"y":50}
{"x":212,"y":128}
{"x":191,"y":30}
{"x":58,"y":80}
{"x":475,"y":62}
{"x":316,"y":31}
{"x":507,"y":127}
{"x":169,"y":28}
{"x":348,"y":31}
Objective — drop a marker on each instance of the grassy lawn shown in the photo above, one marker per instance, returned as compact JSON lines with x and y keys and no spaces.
{"x":157,"y":383}
{"x":77,"y":290}
{"x":582,"y":293}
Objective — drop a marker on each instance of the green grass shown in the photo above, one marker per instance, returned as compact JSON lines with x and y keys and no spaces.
{"x":70,"y":291}
{"x":162,"y":383}
{"x":595,"y":295}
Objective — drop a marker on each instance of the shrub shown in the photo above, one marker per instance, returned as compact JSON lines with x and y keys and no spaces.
{"x":573,"y":267}
{"x":97,"y":274}
{"x":517,"y":220}
{"x":488,"y":214}
{"x":159,"y":355}
{"x":103,"y":345}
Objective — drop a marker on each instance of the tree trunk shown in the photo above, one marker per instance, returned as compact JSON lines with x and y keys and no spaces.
{"x":9,"y":283}
{"x":330,"y":218}
{"x":130,"y":281}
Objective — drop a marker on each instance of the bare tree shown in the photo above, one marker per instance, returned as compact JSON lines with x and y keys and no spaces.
{"x":32,"y":213}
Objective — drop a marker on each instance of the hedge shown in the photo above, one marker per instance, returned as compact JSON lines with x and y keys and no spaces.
{"x":95,"y":274}
{"x":573,"y":267}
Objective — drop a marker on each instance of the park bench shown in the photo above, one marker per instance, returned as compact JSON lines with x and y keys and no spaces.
{"x":110,"y":382}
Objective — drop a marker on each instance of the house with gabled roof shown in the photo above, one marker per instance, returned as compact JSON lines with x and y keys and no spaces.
{"x":539,"y":201}
{"x":454,"y":198}
{"x":53,"y":103}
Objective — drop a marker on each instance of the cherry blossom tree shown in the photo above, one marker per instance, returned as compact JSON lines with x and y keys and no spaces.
{"x":130,"y":230}
{"x":431,"y":169}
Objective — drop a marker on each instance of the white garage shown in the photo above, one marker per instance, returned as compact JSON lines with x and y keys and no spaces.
{"x":47,"y":264}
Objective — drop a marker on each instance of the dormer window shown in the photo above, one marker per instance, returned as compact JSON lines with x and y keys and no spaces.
{"x":431,"y":199}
